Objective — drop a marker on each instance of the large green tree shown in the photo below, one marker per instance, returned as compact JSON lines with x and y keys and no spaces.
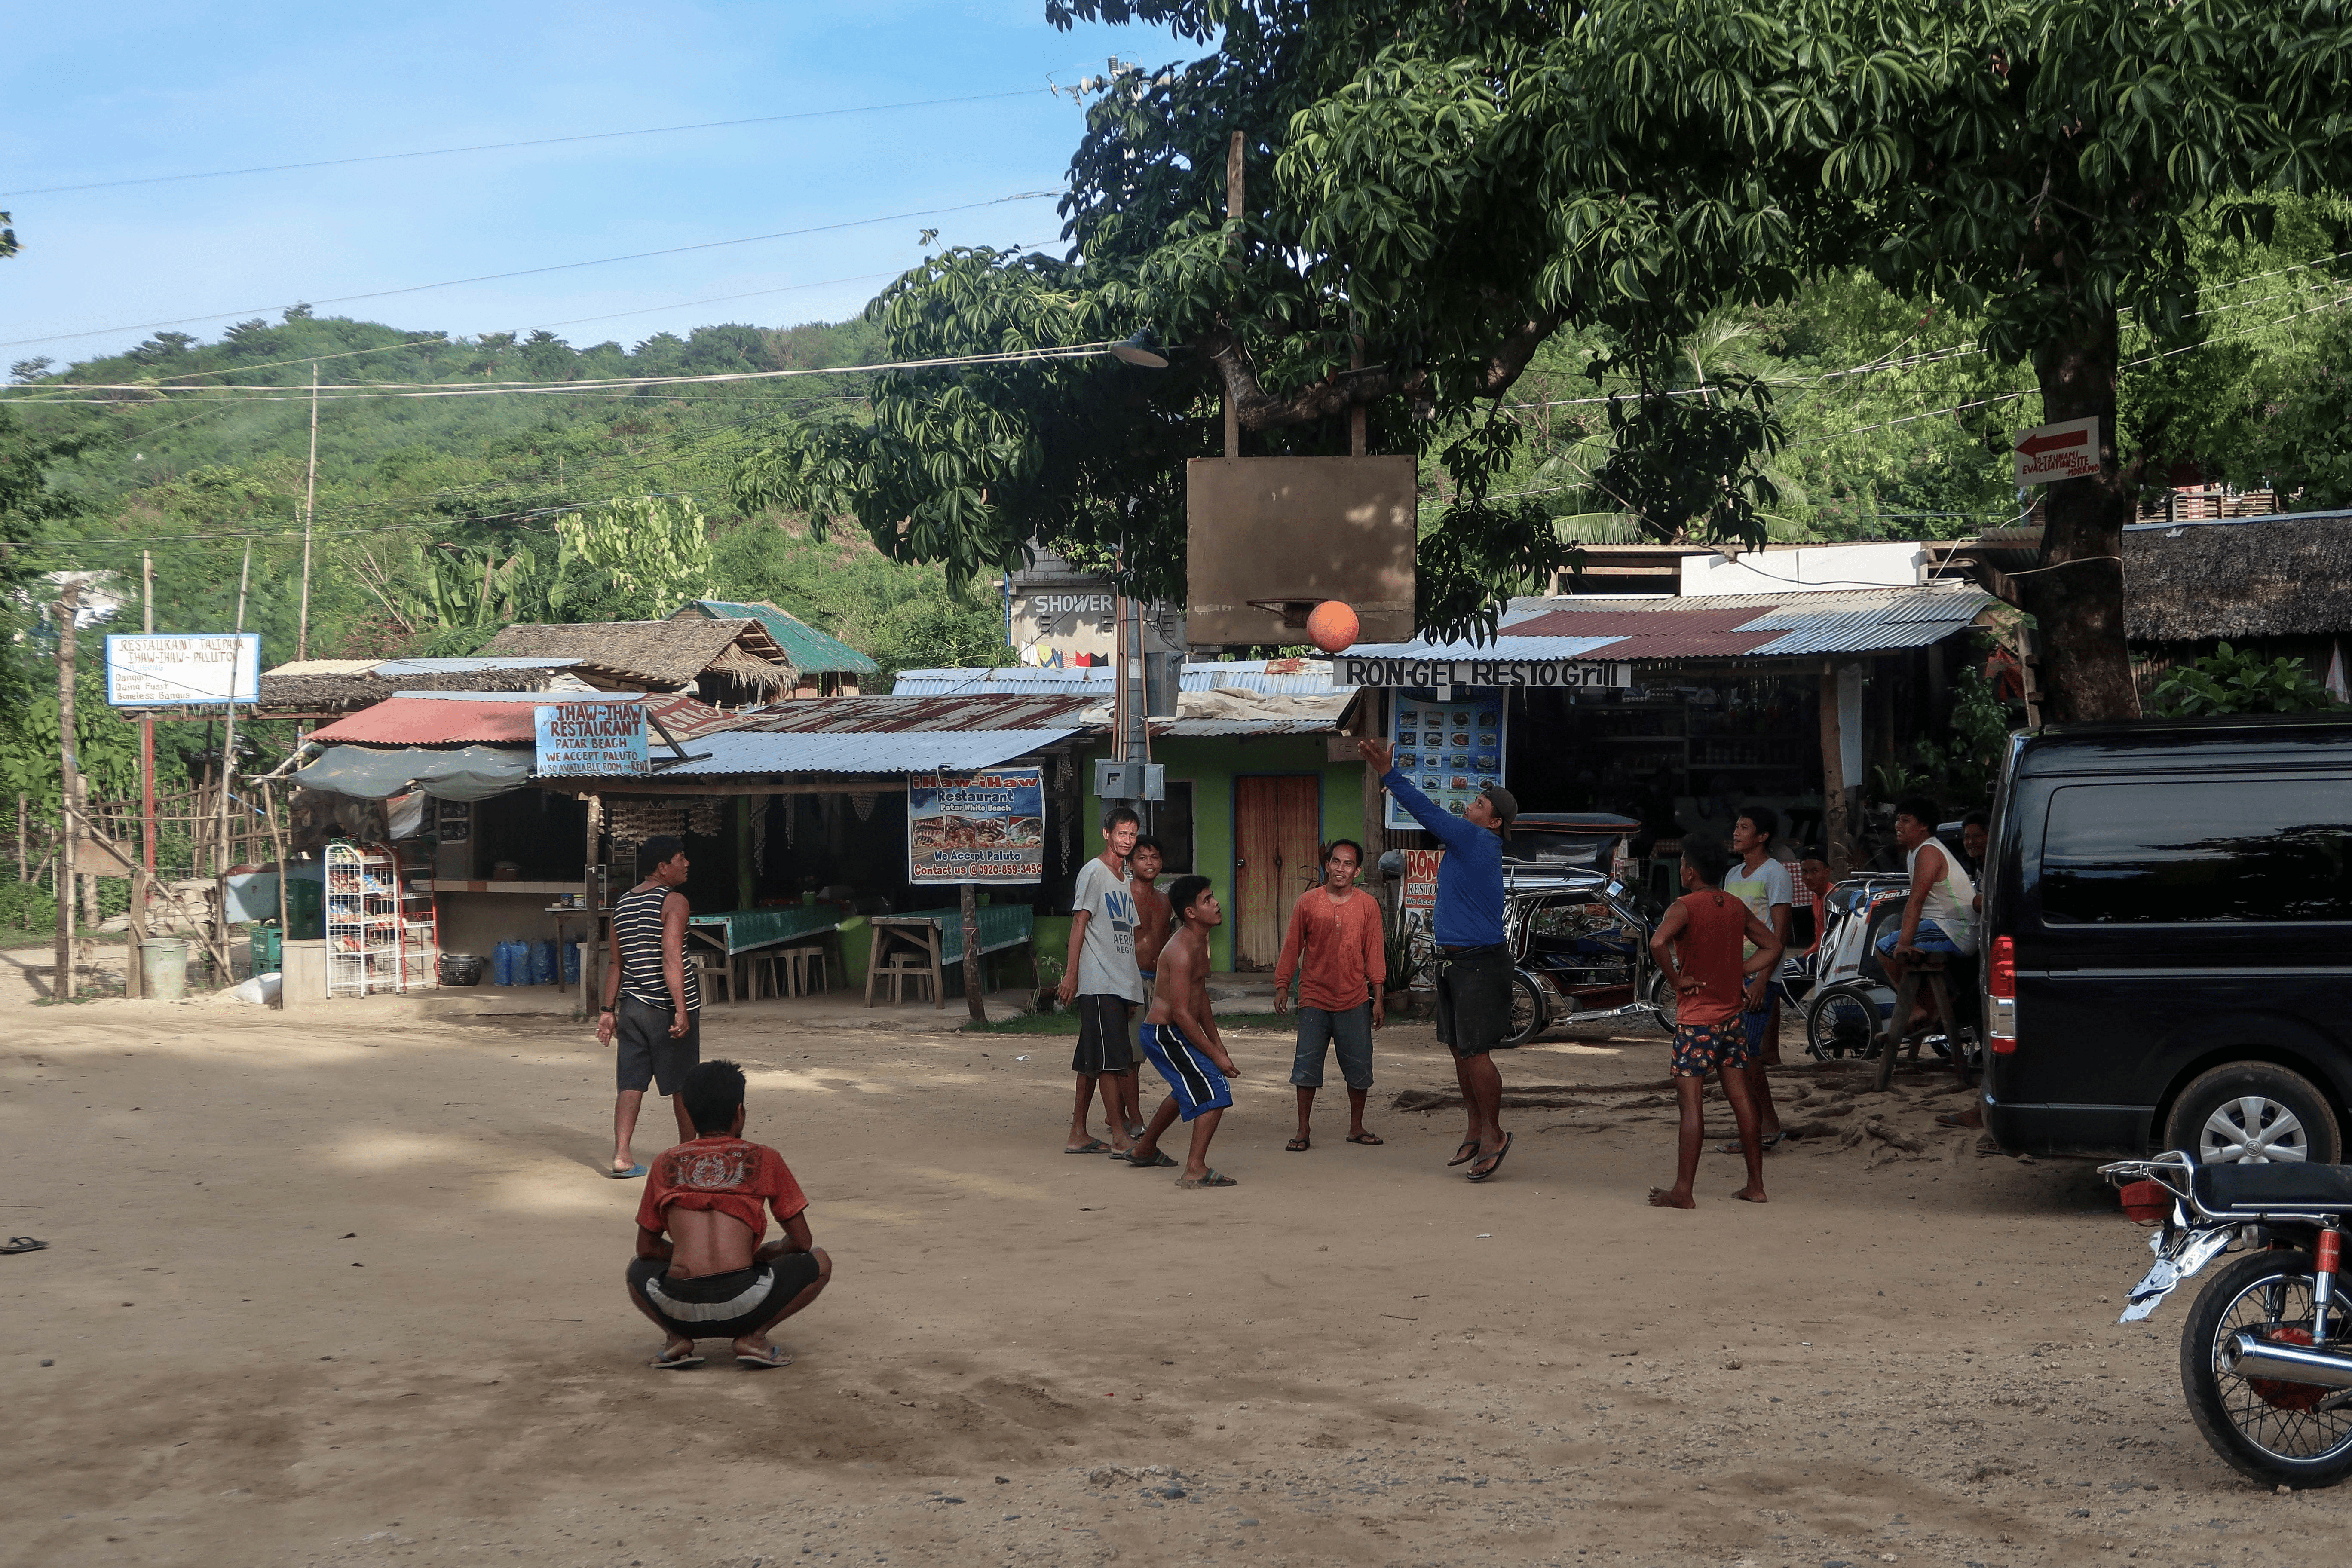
{"x":1455,"y":181}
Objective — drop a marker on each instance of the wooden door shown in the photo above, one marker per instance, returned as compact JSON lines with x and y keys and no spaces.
{"x":1278,"y":837}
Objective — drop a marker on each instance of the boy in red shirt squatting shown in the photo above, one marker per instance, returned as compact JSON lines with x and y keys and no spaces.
{"x":1708,"y":926}
{"x":710,"y":1278}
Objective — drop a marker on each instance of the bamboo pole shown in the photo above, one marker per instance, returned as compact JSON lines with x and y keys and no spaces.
{"x":68,"y":609}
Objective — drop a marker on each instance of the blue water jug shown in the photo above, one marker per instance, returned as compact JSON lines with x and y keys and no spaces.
{"x":542,"y":964}
{"x":571,"y":963}
{"x":502,"y":964}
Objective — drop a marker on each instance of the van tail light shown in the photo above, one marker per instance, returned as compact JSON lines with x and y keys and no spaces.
{"x":2000,"y":993}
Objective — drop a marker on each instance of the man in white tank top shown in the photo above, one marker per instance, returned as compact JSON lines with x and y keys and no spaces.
{"x":1938,"y":915}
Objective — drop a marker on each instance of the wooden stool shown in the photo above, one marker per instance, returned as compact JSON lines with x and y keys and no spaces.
{"x":765,"y":979}
{"x":1930,"y":969}
{"x":906,"y":966}
{"x":802,"y":963}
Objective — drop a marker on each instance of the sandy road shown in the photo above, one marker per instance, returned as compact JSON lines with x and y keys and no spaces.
{"x":350,"y":1294}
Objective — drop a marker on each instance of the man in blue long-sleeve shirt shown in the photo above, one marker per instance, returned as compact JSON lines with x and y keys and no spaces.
{"x":1473,"y":966}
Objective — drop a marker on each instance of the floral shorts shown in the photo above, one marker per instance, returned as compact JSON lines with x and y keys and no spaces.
{"x":1700,"y":1049}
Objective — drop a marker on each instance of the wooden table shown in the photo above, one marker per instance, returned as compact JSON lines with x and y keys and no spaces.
{"x":938,"y":935}
{"x":741,"y":932}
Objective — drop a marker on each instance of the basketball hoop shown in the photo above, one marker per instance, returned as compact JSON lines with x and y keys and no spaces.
{"x":1293,"y":612}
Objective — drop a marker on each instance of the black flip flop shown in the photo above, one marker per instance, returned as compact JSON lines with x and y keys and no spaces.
{"x":24,"y":1244}
{"x":1475,"y":1174}
{"x":1464,"y":1155}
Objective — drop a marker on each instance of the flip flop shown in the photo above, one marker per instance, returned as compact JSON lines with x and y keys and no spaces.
{"x":1297,"y":1145}
{"x":1955,"y":1119}
{"x":669,"y":1362}
{"x":1091,"y":1146}
{"x":775,"y":1357}
{"x":636,"y":1170}
{"x":1464,"y":1155}
{"x":1160,"y":1157}
{"x":1477,"y":1174}
{"x":24,"y":1244}
{"x":1769,"y":1144}
{"x":1366,"y":1139}
{"x":1212,"y":1180}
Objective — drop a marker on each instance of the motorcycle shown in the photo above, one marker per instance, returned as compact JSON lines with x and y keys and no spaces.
{"x":1581,"y":953}
{"x":2266,"y":1354}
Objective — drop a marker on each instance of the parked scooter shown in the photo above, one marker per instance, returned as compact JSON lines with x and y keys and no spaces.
{"x":2266,"y":1354}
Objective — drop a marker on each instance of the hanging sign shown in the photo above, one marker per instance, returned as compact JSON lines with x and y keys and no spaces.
{"x":595,"y":739}
{"x":1450,"y":751}
{"x":164,"y":670}
{"x":2066,"y":450}
{"x":987,"y":826}
{"x":1550,"y":674}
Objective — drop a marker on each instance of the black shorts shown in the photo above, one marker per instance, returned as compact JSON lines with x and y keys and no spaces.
{"x":730,"y":1306}
{"x":647,"y":1054}
{"x":1104,"y":1044}
{"x":1473,"y":1000}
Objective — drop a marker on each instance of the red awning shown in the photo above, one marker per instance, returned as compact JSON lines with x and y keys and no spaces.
{"x":427,"y":721}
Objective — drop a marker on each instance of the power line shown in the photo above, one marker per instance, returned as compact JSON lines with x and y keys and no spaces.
{"x":557,"y":267}
{"x":539,"y":141}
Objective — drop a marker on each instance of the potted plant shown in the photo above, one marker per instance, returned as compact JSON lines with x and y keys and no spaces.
{"x":1050,"y":968}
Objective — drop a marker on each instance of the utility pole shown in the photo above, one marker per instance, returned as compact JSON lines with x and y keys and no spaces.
{"x":310,"y":508}
{"x":68,"y":608}
{"x":1233,"y":214}
{"x":147,"y":723}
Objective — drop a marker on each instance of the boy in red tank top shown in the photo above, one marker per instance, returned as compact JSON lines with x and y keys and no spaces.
{"x":1697,"y":947}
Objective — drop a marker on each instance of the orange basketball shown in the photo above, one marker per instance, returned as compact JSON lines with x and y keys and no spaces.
{"x":1332,"y":626}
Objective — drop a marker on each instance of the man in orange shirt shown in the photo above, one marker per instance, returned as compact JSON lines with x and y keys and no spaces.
{"x":1705,"y":929}
{"x":1334,"y":946}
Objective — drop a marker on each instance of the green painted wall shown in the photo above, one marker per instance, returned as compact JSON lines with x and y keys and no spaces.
{"x":1211,"y":765}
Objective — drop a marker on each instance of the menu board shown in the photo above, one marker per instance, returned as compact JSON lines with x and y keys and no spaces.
{"x":1449,"y":749}
{"x":976,"y":827}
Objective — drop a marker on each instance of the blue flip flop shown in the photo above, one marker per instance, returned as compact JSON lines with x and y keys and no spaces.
{"x":669,"y":1362}
{"x":636,"y":1170}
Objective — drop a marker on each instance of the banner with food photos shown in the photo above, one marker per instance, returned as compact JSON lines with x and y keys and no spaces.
{"x":1450,"y":751}
{"x":986,"y":827}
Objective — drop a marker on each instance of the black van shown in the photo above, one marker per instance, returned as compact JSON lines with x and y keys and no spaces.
{"x":2168,"y":939}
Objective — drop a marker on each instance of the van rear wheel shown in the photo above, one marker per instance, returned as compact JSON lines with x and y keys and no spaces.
{"x":2253,"y":1113}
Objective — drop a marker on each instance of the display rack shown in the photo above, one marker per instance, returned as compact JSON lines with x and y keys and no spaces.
{"x":364,"y":920}
{"x":420,"y":929}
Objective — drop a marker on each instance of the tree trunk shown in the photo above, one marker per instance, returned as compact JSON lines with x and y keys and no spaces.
{"x":2077,"y":599}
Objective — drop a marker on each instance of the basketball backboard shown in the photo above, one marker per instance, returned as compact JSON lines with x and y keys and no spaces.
{"x":1270,"y":538}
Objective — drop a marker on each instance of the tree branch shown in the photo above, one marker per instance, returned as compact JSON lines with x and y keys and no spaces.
{"x":1343,"y":390}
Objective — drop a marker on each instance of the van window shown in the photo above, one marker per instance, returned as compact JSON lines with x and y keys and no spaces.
{"x":2224,"y":849}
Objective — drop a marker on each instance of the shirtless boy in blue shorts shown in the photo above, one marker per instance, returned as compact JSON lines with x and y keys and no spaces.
{"x":1182,"y":1041}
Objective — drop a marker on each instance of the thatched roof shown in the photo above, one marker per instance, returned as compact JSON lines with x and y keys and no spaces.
{"x":2289,"y":574}
{"x":309,"y":691}
{"x":661,"y":656}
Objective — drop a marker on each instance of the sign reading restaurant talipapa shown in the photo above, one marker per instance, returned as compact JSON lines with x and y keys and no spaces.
{"x":976,"y":827}
{"x":596,"y":738}
{"x":167,"y":669}
{"x":1556,"y":674}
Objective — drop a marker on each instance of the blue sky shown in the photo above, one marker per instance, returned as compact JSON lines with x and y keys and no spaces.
{"x":127,"y":90}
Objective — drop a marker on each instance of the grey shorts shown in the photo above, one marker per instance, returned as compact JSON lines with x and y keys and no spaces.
{"x":1350,"y":1035}
{"x":1104,"y":1044}
{"x":646,"y":1053}
{"x":721,"y":1306}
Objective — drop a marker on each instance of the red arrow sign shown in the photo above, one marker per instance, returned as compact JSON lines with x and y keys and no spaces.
{"x":2034,"y":445}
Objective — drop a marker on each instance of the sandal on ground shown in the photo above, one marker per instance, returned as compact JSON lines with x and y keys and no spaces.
{"x":631,"y":1173}
{"x":775,"y":1357}
{"x":1160,"y":1157}
{"x":1366,"y":1139}
{"x":1091,"y":1146}
{"x":1493,"y":1162}
{"x":665,"y":1361}
{"x":1212,"y":1180}
{"x":1296,"y":1146}
{"x":24,"y":1244}
{"x":1768,"y":1144}
{"x":1464,"y":1155}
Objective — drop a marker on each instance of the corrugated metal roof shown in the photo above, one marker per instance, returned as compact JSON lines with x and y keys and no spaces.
{"x":747,"y":752}
{"x":1791,"y":624}
{"x":1505,"y":646}
{"x":1275,"y":676}
{"x":807,"y":650}
{"x":471,"y":718}
{"x":907,"y":715}
{"x":1194,"y":729}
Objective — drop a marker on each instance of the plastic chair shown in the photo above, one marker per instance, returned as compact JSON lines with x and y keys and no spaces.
{"x":807,"y":969}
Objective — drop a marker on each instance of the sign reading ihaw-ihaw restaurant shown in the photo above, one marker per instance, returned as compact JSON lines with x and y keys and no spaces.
{"x":976,"y":827}
{"x":597,"y":739}
{"x":2066,"y":450}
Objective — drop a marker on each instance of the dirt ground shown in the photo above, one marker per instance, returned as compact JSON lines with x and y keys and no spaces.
{"x":346,"y":1288}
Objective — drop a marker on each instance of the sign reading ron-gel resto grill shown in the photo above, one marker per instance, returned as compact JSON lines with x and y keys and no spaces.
{"x":987,"y":826}
{"x":593,"y":738}
{"x":1556,"y":673}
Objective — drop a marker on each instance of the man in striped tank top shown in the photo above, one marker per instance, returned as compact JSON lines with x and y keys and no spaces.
{"x":653,"y":999}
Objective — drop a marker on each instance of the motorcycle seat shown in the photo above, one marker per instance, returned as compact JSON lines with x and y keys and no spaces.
{"x":2293,"y":1184}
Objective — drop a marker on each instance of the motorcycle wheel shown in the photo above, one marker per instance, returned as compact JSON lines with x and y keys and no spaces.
{"x":2272,"y":1431}
{"x":1665,"y":998}
{"x":1841,"y":1022}
{"x":1528,"y":1011}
